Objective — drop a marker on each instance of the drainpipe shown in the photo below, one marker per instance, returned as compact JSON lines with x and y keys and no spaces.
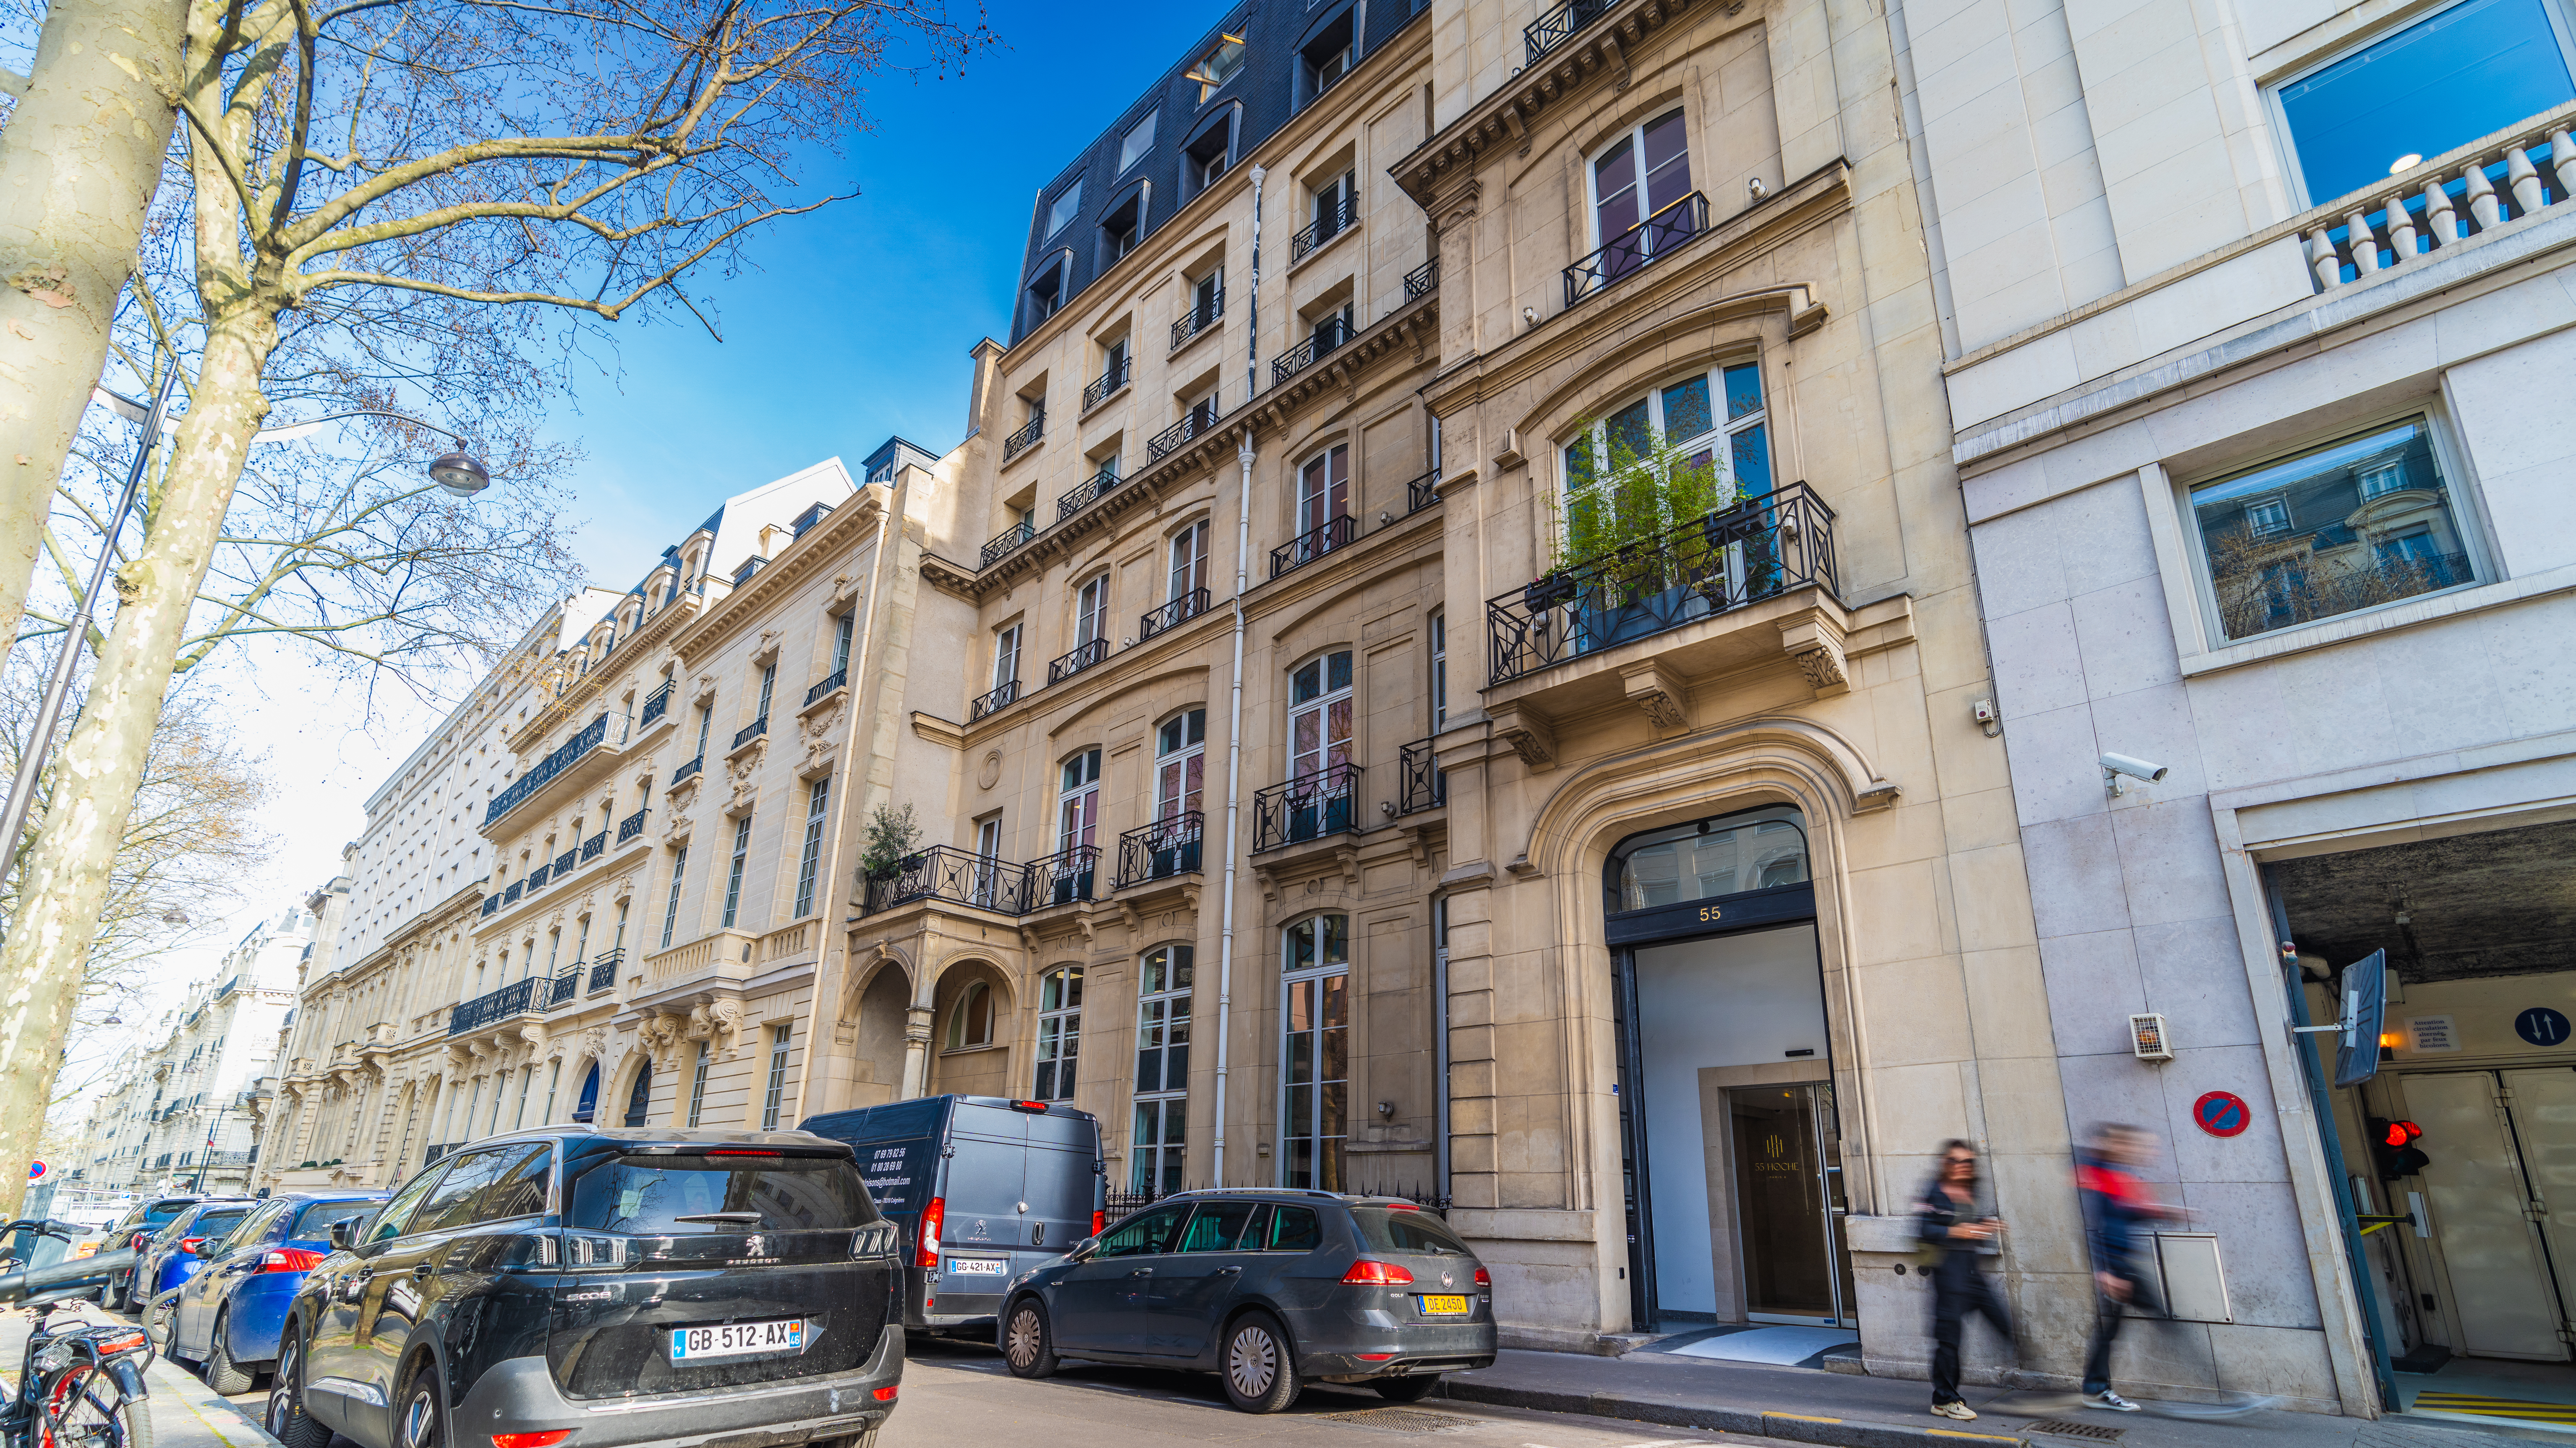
{"x":1243,"y":456}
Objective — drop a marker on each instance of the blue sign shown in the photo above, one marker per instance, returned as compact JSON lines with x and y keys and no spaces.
{"x":2541,"y":1026}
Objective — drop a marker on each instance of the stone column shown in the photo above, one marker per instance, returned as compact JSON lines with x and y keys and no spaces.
{"x":916,"y":1052}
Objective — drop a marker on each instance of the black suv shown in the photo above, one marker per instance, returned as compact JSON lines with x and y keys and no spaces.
{"x":613,"y":1287}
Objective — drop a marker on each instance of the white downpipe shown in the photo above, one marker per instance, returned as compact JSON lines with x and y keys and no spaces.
{"x":1243,"y":456}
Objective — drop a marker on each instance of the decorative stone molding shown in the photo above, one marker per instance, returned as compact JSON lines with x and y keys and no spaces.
{"x":1530,"y":734}
{"x":1659,"y":692}
{"x":1816,"y":642}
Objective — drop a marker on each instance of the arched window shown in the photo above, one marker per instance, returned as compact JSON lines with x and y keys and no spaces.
{"x":1059,"y":1033}
{"x":1761,"y":849}
{"x":588,"y":1105}
{"x":1314,"y":1055}
{"x":970,"y":1020}
{"x":639,"y":1102}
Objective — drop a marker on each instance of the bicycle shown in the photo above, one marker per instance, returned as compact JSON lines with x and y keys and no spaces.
{"x":80,"y":1384}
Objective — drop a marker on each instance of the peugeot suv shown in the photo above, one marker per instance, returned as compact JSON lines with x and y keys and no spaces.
{"x":611,"y":1288}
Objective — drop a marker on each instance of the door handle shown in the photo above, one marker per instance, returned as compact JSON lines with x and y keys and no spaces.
{"x":423,"y":1272}
{"x":1227,"y":1271}
{"x":1142,"y":1272}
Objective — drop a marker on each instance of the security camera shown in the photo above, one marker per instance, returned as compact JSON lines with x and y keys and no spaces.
{"x":2115,"y":765}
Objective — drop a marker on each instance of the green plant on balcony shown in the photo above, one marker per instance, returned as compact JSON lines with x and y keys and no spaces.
{"x":1620,"y":512}
{"x":894,"y":836}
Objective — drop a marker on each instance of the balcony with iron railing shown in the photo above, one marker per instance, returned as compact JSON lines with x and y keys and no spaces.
{"x":1420,"y":783}
{"x":1108,"y":384}
{"x":537,"y":877}
{"x":1422,"y":492}
{"x":1173,"y":614}
{"x":1423,"y":280}
{"x":1063,"y":878}
{"x":491,"y":905}
{"x":1308,"y":546}
{"x":1172,"y":439}
{"x":511,"y":896}
{"x":1009,"y":541}
{"x":1160,"y":851}
{"x":518,"y":998}
{"x":656,"y":704}
{"x":1027,"y":436}
{"x":1331,"y":220}
{"x":1081,"y":657}
{"x":545,"y":770}
{"x":565,"y":987}
{"x":824,"y":686}
{"x":749,"y":732}
{"x":1649,"y":241}
{"x":630,"y":827}
{"x":603,"y":971}
{"x":564,"y":862}
{"x":1309,"y":807}
{"x":994,"y":701}
{"x":1202,"y":315}
{"x":594,"y":847}
{"x":1089,"y":491}
{"x":686,"y":769}
{"x":1325,"y":340}
{"x":1559,"y":25}
{"x":1758,"y":550}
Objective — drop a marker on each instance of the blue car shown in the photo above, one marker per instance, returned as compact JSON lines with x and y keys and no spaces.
{"x":229,"y":1313}
{"x":170,"y":1258}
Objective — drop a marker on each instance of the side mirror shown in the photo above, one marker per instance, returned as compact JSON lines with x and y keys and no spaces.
{"x":344,"y":1234}
{"x":1083,"y":1249}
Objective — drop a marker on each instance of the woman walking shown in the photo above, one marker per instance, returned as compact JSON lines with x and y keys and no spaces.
{"x":1947,"y":1221}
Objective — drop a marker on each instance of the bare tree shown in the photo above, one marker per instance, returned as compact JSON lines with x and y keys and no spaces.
{"x":612,"y":148}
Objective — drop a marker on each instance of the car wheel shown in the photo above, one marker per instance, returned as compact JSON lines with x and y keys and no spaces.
{"x":1408,"y":1389}
{"x":1028,"y":1344}
{"x":420,"y":1425}
{"x":223,"y":1374}
{"x":287,"y":1421}
{"x":1259,"y":1370}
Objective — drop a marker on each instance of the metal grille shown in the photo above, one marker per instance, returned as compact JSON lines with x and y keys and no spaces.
{"x":1400,"y":1420}
{"x":2064,"y":1429}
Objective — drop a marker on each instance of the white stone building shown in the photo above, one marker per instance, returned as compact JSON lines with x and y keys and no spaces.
{"x":2252,"y":313}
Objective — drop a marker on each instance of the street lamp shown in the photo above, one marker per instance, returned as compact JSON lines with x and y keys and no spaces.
{"x":459,"y":474}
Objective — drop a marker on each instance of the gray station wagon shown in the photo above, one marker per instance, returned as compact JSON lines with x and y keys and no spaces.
{"x":1269,"y":1289}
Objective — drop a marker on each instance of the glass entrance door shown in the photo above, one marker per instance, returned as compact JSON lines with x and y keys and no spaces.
{"x":1788,"y":1199}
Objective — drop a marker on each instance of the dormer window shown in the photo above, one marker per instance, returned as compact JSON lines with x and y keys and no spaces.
{"x":1047,"y":292}
{"x":1207,"y":157}
{"x":1122,"y":228}
{"x":1139,"y":141}
{"x":1064,"y":209}
{"x":1222,"y":62}
{"x":1325,"y":59}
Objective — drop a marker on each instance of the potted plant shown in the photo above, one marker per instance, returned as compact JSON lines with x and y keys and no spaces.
{"x":1626,"y":531}
{"x":893,"y":843}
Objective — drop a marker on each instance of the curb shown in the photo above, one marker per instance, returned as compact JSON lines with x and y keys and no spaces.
{"x":178,"y":1397}
{"x":1685,"y":1413}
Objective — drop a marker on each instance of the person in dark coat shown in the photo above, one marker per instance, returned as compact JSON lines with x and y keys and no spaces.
{"x":1947,"y":1221}
{"x":2119,"y":1218}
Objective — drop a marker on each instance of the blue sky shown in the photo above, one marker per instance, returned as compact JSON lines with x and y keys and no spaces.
{"x":854,"y":323}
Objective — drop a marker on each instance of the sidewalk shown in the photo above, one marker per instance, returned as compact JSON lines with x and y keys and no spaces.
{"x":1804,"y":1405}
{"x":185,"y":1413}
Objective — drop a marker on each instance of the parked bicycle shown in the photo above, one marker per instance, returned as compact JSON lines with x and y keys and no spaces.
{"x":80,"y":1382}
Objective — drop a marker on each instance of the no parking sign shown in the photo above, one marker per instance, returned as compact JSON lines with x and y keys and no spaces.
{"x":2222,"y":1113}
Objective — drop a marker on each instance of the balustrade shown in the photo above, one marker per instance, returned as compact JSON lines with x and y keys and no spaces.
{"x":2433,"y":207}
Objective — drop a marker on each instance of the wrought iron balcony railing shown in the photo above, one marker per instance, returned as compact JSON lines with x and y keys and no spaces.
{"x":1330,"y":221}
{"x":595,"y":846}
{"x":1027,"y":436}
{"x":1171,"y":439}
{"x":1327,"y":338}
{"x":1081,"y":658}
{"x":687,"y":769}
{"x":1201,"y":316}
{"x":994,"y":702}
{"x":516,"y":998}
{"x":1306,"y":547}
{"x":751,"y":731}
{"x":491,"y":904}
{"x":603,"y":971}
{"x":1758,"y":549}
{"x":1559,"y":25}
{"x":545,"y":770}
{"x":1107,"y":384}
{"x":1010,"y":541}
{"x":656,"y":704}
{"x":1307,"y":808}
{"x":1423,"y":785}
{"x":536,"y":878}
{"x":565,"y":987}
{"x":1423,"y":280}
{"x":631,"y":826}
{"x":827,"y":684}
{"x":1161,"y":850}
{"x":1640,"y":246}
{"x":1063,"y":877}
{"x":1422,"y":492}
{"x":1173,"y":614}
{"x":1090,"y":490}
{"x":564,"y":862}
{"x":959,"y":876}
{"x":511,"y":895}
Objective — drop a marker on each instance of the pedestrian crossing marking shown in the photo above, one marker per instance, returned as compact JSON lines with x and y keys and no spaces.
{"x":2496,"y":1407}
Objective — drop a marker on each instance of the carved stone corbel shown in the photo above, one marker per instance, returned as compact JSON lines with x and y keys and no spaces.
{"x":1659,"y":692}
{"x":1817,"y":644}
{"x":1531,"y":735}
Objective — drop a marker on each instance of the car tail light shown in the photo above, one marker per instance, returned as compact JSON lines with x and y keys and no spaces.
{"x":1404,"y":1206}
{"x":546,"y":1439}
{"x":1484,"y":1278}
{"x":886,"y":1393}
{"x":289,"y":1259}
{"x":1381,"y":1274}
{"x":1374,"y":1357}
{"x":927,"y":1249}
{"x":190,"y":1245}
{"x":1099,"y":1223}
{"x":1034,"y":1108}
{"x":711,"y":1151}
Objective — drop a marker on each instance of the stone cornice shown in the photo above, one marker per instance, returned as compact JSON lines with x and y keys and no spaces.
{"x":575,"y":698}
{"x":826,"y":541}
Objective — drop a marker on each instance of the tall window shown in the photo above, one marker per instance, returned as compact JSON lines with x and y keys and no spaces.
{"x":1091,"y":612}
{"x":1139,"y":140}
{"x":639,"y":1100}
{"x":1162,"y":1069}
{"x":1207,"y":299}
{"x":970,"y":1020}
{"x":1189,"y":561}
{"x":1180,"y":764}
{"x":1006,"y":655}
{"x":1439,"y":672}
{"x":1641,"y":173}
{"x":1315,"y":975}
{"x":818,"y":797}
{"x":1059,"y":1032}
{"x":554,"y":1079}
{"x":698,"y":1085}
{"x":1334,"y":206}
{"x":1077,"y":807}
{"x":671,"y":907}
{"x":777,"y":1078}
{"x":1066,"y":207}
{"x":768,"y":685}
{"x":1323,"y":491}
{"x":841,"y":627}
{"x":1319,"y":716}
{"x":733,"y":871}
{"x":706,"y":721}
{"x":988,"y":852}
{"x":1711,"y":423}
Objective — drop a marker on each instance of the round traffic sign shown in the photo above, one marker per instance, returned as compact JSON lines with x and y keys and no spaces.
{"x":2222,"y":1113}
{"x":2541,"y":1026}
{"x":36,"y":1171}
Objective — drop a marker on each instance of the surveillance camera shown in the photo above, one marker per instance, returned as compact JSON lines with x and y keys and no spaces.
{"x":2144,"y":769}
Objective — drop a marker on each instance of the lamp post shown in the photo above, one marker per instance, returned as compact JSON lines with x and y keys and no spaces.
{"x":458,"y":474}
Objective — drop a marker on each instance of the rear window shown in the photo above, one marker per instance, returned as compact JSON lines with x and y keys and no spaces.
{"x":314,"y":1219}
{"x":655,"y":1195}
{"x":214,"y":1225}
{"x":161,"y":1214}
{"x":1392,"y":1230}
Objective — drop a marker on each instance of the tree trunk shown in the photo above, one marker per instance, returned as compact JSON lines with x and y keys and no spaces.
{"x":99,"y":770}
{"x":79,"y":162}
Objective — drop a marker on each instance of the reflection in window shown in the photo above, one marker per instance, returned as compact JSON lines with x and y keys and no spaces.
{"x":1315,"y":1052}
{"x":1222,"y":63}
{"x":970,"y":1021}
{"x":1162,"y":1069}
{"x":1059,"y":1033}
{"x":2356,"y":523}
{"x":1138,"y":142}
{"x":1758,"y":850}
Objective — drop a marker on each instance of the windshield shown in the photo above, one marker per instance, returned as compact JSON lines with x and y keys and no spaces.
{"x":163,"y":1214}
{"x":654,"y":1195}
{"x":214,"y":1225}
{"x":1389,"y":1229}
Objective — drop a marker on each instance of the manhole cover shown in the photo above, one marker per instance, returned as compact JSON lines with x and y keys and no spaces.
{"x":2059,"y":1427}
{"x":1400,"y":1420}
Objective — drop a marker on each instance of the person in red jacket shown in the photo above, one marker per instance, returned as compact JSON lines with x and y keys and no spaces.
{"x":2118,"y":1215}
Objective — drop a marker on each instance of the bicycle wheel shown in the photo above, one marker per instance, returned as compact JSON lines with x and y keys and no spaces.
{"x":84,"y":1409}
